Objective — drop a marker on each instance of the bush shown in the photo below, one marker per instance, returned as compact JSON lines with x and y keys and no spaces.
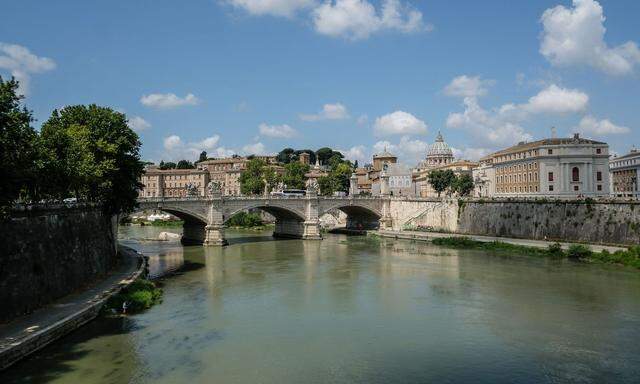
{"x":245,"y":220}
{"x":555,"y":249}
{"x":140,"y":295}
{"x":579,"y":252}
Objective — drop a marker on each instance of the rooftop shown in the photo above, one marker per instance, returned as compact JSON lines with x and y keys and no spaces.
{"x":522,"y":146}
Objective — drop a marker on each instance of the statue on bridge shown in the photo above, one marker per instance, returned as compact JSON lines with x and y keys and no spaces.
{"x":214,"y":188}
{"x":192,"y":189}
{"x":312,"y":185}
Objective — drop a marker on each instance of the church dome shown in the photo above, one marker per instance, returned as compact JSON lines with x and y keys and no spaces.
{"x":439,"y":148}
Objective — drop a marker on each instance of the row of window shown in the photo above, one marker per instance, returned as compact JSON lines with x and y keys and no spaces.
{"x":518,"y":178}
{"x":517,"y":167}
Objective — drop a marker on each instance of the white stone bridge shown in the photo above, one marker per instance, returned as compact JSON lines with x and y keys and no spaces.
{"x":297,"y":217}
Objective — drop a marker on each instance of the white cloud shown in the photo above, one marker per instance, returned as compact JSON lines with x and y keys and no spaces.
{"x":177,"y":149}
{"x":363,"y":119}
{"x":21,"y":64}
{"x":138,"y":124}
{"x":399,"y":123}
{"x":593,"y":126}
{"x":554,"y":99}
{"x":254,"y":149}
{"x":575,"y":36}
{"x":168,"y":100}
{"x":358,"y":152}
{"x":466,"y":86}
{"x":409,"y":151}
{"x":468,"y":153}
{"x":502,"y":126}
{"x":335,"y":111}
{"x":358,"y":19}
{"x":277,"y":131}
{"x":486,"y":127}
{"x":286,"y":8}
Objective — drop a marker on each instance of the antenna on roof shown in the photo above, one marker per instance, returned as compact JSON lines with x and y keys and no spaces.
{"x":554,"y":132}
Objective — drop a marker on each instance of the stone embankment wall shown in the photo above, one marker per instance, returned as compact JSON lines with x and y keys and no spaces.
{"x":594,"y":222}
{"x":47,"y":252}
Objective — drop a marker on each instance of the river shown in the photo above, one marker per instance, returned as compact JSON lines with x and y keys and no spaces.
{"x":357,"y":310}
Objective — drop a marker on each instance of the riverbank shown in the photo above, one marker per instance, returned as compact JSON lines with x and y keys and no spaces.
{"x":27,"y":334}
{"x":584,"y":252}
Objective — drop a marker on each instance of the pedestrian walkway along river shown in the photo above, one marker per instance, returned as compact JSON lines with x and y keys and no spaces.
{"x":357,"y":310}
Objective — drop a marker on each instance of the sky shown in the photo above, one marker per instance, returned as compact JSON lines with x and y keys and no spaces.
{"x":256,"y":76}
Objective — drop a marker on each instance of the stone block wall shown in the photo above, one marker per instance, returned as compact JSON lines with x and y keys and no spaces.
{"x":610,"y":222}
{"x":49,"y":252}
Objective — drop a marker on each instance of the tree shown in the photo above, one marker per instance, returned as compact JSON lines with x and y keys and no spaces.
{"x":463,"y":185}
{"x":17,"y":145}
{"x":294,"y":175}
{"x":284,"y":156}
{"x":441,"y":180}
{"x":326,"y":185}
{"x":324,"y":154}
{"x":167,"y":165}
{"x":184,"y":164}
{"x":94,"y":150}
{"x":203,"y":156}
{"x":355,"y":165}
{"x":252,"y":178}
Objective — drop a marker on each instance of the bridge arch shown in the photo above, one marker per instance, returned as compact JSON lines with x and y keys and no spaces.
{"x":193,"y":227}
{"x":359,"y":216}
{"x":289,"y":221}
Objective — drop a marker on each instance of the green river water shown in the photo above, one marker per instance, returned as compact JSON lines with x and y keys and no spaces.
{"x":357,"y":310}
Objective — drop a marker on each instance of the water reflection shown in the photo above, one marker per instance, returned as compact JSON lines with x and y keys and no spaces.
{"x":360,"y":310}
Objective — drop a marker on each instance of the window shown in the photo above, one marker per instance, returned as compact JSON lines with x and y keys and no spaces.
{"x":550,"y":176}
{"x":599,"y":187}
{"x":599,"y":176}
{"x":576,"y":188}
{"x":598,"y":151}
{"x":551,"y":188}
{"x":550,"y":151}
{"x":575,"y":174}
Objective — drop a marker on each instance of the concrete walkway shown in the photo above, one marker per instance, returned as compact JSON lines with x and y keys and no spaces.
{"x":32,"y":332}
{"x":427,"y":236}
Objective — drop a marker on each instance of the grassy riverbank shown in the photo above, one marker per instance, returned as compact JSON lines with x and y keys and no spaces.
{"x":140,"y":295}
{"x":629,"y":257}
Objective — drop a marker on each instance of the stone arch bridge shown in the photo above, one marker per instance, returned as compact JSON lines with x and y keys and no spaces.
{"x":296,"y":217}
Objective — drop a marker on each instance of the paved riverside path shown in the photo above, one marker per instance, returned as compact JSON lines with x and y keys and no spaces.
{"x":415,"y":235}
{"x":32,"y":332}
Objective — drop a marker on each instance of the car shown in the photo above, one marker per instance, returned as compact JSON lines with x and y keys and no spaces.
{"x":70,"y":200}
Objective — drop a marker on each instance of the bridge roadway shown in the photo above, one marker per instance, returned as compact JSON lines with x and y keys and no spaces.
{"x":296,"y":217}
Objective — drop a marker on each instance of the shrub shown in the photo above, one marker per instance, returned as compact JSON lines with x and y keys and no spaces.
{"x":555,"y":249}
{"x":140,"y":295}
{"x":245,"y":220}
{"x":579,"y":252}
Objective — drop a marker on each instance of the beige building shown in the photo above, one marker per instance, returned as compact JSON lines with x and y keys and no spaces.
{"x":225,"y":172}
{"x":484,"y":178}
{"x":555,"y":167}
{"x":625,"y":170}
{"x":173,"y":182}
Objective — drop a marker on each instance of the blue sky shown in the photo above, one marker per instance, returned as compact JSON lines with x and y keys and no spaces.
{"x":250,"y":76}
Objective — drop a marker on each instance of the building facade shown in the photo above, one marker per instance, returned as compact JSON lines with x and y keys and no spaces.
{"x":625,"y":170}
{"x":173,"y":182}
{"x":555,"y":167}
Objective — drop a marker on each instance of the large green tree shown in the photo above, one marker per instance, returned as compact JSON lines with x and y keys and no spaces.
{"x":463,"y":185}
{"x":17,"y":146}
{"x":252,"y":179}
{"x":94,"y":151}
{"x":441,"y":180}
{"x":185,"y":164}
{"x":294,"y":175}
{"x":284,"y":156}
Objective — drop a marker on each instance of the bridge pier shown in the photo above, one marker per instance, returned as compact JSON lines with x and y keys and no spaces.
{"x":214,"y":235}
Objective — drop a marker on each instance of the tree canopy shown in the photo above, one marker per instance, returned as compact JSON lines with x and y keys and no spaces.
{"x":203,"y":156}
{"x":463,"y":185}
{"x":17,"y":146}
{"x":294,"y":175}
{"x":252,"y":179}
{"x":441,"y":180}
{"x":185,"y":164}
{"x":95,"y":152}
